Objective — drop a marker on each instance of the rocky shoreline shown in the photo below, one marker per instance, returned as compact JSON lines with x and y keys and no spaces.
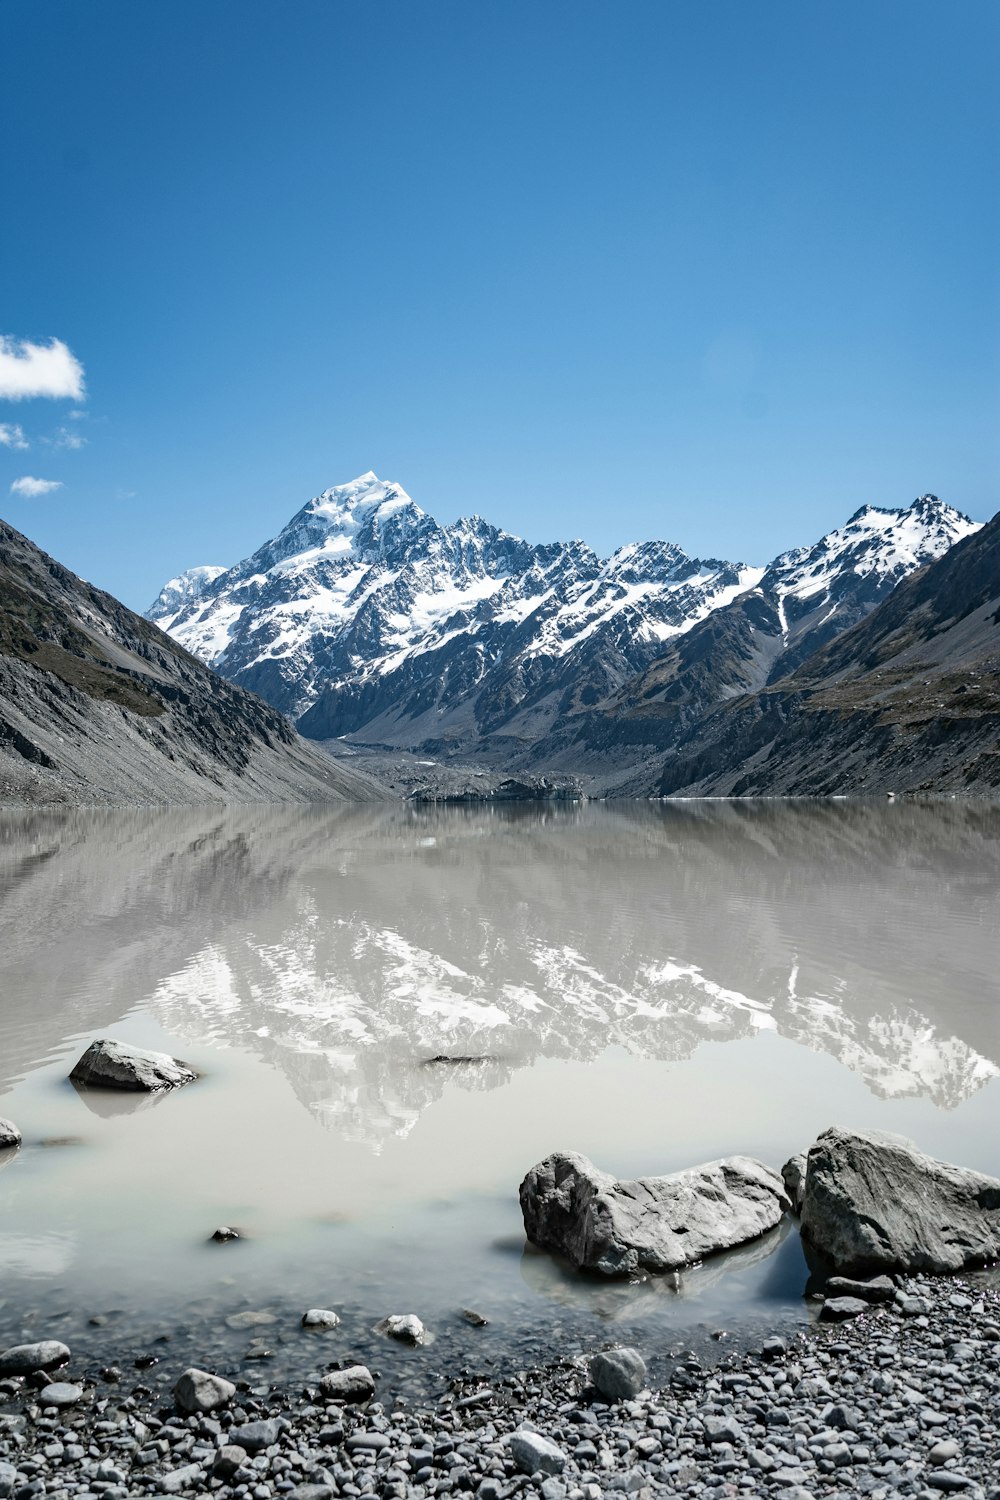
{"x":900,"y":1400}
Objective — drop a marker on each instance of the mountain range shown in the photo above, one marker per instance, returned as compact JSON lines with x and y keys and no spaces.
{"x":367,"y":621}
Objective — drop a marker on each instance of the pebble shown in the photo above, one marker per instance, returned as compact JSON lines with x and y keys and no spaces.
{"x":840,"y":1309}
{"x":61,"y":1393}
{"x":880,"y":1406}
{"x":535,"y":1454}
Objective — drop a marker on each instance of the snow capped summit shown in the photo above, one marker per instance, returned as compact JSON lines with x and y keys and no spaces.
{"x":365,"y":617}
{"x":181,"y":590}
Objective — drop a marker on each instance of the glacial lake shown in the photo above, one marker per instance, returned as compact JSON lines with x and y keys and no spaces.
{"x":653,"y":985}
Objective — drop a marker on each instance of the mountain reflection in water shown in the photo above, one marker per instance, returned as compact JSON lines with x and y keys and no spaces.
{"x":347,"y":947}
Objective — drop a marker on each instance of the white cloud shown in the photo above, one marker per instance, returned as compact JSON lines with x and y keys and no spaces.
{"x":67,"y":438}
{"x":27,"y":485}
{"x":28,"y":369}
{"x":12,"y":436}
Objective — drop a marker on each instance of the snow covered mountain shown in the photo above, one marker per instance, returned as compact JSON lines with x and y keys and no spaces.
{"x":365,"y":617}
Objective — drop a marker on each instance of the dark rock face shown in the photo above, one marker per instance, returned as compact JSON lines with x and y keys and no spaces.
{"x":873,"y":1202}
{"x":113,"y":1065}
{"x":97,"y":705}
{"x":658,"y":1223}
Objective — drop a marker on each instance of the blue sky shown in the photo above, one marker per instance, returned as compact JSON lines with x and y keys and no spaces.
{"x":714,"y":271}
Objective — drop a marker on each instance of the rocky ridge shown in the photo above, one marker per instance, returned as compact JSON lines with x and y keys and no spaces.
{"x":907,"y":700}
{"x":365,"y":619}
{"x":99,"y":706}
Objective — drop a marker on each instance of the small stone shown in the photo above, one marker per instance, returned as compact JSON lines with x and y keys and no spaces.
{"x":10,"y":1136}
{"x":534,"y":1454}
{"x":181,"y":1479}
{"x":839,"y":1309}
{"x":255,"y":1436}
{"x":61,"y":1393}
{"x":24,"y":1359}
{"x":878,"y":1289}
{"x":942,"y":1452}
{"x":199,"y":1391}
{"x":353,"y":1385}
{"x":619,"y":1374}
{"x":843,"y":1418}
{"x":224,"y":1234}
{"x":228,"y":1461}
{"x":723,"y":1430}
{"x":774,"y":1348}
{"x":476,"y":1319}
{"x":947,"y":1479}
{"x":319,"y":1318}
{"x":8,"y":1479}
{"x":406,"y":1328}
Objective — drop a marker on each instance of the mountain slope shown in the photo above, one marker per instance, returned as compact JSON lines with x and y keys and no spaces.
{"x":365,"y":617}
{"x":805,"y":598}
{"x":98,"y":705}
{"x":907,"y":700}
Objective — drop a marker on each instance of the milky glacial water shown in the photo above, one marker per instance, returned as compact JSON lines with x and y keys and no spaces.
{"x":653,"y":985}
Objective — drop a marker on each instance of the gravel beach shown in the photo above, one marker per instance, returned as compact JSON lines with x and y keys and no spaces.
{"x":902,"y":1399}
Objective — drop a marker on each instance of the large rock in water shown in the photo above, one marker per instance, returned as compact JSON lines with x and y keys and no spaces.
{"x":873,"y":1202}
{"x":114,"y":1065}
{"x":661,"y":1223}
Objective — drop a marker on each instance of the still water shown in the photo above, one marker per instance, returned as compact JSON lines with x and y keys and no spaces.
{"x":652,"y":985}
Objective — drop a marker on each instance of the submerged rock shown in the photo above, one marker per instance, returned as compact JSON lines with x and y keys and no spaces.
{"x":873,"y":1202}
{"x":660,"y":1223}
{"x":10,"y":1136}
{"x":108,"y":1064}
{"x":405,"y":1328}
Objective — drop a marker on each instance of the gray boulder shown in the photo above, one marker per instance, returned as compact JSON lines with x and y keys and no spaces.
{"x":10,"y":1136}
{"x":873,"y":1202}
{"x":880,"y":1289}
{"x":660,"y":1223}
{"x":108,"y":1064}
{"x":198,"y":1391}
{"x":320,"y":1318}
{"x":353,"y":1385}
{"x":24,"y":1359}
{"x":619,"y":1374}
{"x":793,"y":1175}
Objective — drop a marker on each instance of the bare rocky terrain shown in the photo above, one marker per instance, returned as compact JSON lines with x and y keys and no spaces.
{"x":97,"y":705}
